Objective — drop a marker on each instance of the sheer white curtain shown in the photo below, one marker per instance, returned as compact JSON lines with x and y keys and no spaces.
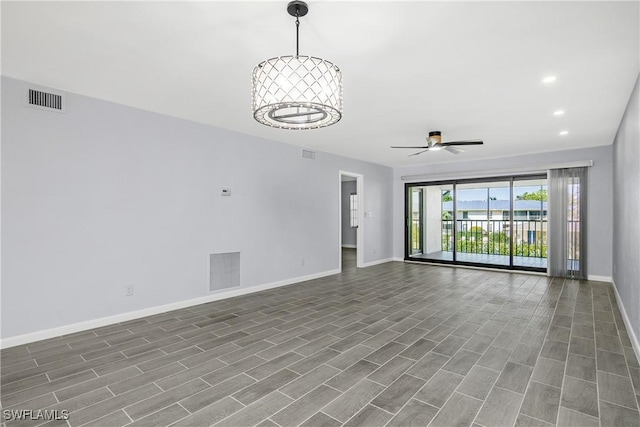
{"x":567,"y":206}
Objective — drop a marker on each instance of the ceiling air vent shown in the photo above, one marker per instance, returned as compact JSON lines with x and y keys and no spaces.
{"x":308,"y":154}
{"x":44,"y":99}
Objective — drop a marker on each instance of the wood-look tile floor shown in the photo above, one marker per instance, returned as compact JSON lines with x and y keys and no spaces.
{"x":394,"y":344}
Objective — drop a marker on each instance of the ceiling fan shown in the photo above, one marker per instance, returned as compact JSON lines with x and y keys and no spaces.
{"x":434,"y":143}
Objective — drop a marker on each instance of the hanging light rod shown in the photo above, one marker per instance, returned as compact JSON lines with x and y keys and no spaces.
{"x":297,"y":92}
{"x":297,"y":9}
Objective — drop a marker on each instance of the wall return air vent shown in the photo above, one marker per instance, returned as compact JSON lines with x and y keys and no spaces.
{"x":45,"y":99}
{"x":224,"y":271}
{"x":308,"y":154}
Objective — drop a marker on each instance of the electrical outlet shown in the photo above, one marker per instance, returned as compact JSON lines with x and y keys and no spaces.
{"x":302,"y":262}
{"x":374,"y":251}
{"x":129,"y":290}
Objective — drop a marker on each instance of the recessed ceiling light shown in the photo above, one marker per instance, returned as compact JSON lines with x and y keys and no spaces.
{"x":549,"y":79}
{"x":558,"y":113}
{"x":564,"y":132}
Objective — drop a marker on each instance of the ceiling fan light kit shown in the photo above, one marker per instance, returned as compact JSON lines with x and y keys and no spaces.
{"x":297,"y":91}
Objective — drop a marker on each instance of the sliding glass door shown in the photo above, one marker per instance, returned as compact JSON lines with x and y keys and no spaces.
{"x":530,"y":222}
{"x":430,"y":222}
{"x":498,"y":222}
{"x":482,"y":222}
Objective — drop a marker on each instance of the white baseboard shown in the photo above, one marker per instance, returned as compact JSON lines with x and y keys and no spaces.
{"x":349,"y":246}
{"x":399,"y":259}
{"x":635,"y":344}
{"x":380,"y":261}
{"x":595,"y":278}
{"x":123,"y":317}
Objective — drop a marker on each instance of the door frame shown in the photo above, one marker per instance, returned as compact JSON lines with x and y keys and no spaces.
{"x":511,"y":179}
{"x":360,"y":230}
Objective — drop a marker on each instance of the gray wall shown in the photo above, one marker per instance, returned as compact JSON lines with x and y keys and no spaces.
{"x":349,"y":234}
{"x":600,"y":226}
{"x":106,"y":196}
{"x":626,"y":211}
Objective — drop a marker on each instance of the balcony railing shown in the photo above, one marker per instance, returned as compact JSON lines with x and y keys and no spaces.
{"x":493,"y":237}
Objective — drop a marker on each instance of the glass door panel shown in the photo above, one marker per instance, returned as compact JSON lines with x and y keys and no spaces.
{"x":530,"y":223}
{"x":482,"y":221}
{"x":500,"y":222}
{"x":439,"y":236}
{"x":431,"y":222}
{"x":573,"y":226}
{"x":416,"y":220}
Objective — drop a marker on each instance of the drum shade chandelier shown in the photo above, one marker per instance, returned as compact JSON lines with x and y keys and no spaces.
{"x":297,"y":92}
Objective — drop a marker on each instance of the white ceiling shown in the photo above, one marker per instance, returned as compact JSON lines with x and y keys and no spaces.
{"x":469,"y":69}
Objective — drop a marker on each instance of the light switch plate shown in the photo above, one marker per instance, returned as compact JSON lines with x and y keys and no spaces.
{"x":225,"y":192}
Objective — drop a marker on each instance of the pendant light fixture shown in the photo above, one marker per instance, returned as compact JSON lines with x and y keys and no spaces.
{"x":297,"y":92}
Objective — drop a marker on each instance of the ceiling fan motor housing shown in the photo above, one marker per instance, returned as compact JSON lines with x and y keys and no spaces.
{"x":435,"y":137}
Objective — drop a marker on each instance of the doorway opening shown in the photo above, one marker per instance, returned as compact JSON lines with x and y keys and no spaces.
{"x":351,"y":221}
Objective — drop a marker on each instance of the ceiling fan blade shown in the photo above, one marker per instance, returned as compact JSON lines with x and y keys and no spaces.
{"x":454,"y":150}
{"x":416,"y":147}
{"x":419,"y":152}
{"x":469,"y":142}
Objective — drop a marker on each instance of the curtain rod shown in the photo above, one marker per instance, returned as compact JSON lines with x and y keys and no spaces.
{"x":496,"y":172}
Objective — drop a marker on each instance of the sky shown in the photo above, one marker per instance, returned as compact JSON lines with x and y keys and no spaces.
{"x":498,"y":193}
